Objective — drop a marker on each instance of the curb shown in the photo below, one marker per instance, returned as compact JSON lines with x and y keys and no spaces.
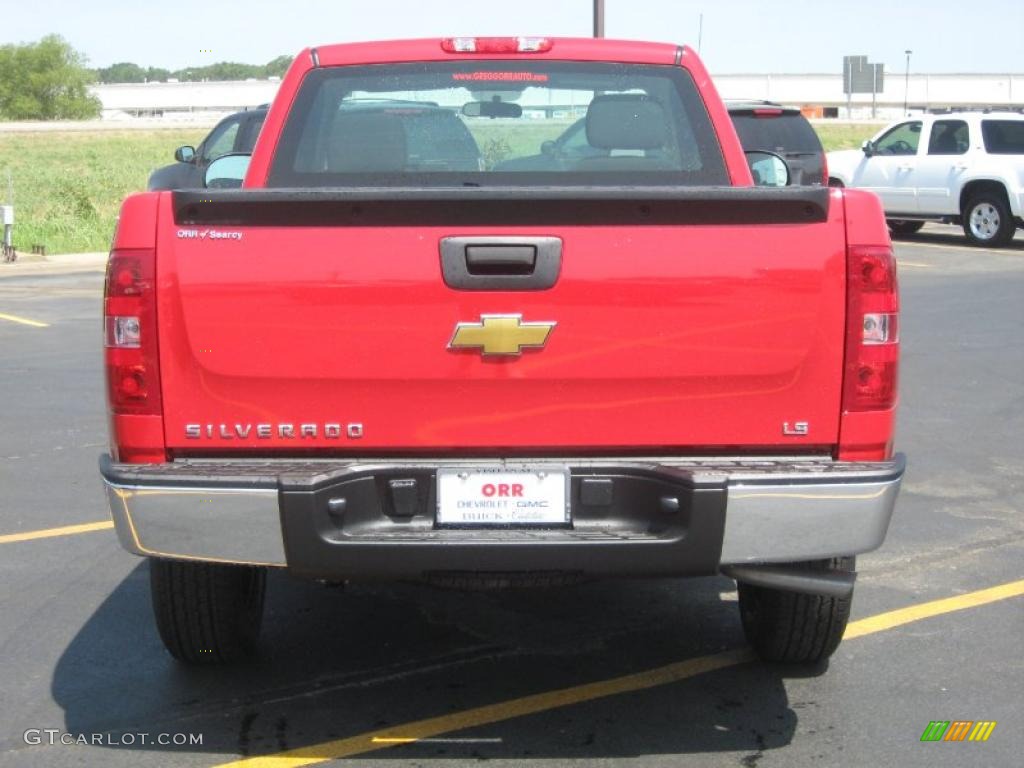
{"x":58,"y":264}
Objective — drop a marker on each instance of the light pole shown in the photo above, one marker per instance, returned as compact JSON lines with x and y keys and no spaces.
{"x":906,"y":82}
{"x":598,"y":18}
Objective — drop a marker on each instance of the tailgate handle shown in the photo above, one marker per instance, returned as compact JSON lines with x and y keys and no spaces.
{"x":501,"y":259}
{"x":501,"y":263}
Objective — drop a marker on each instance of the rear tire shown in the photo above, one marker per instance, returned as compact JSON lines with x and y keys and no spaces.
{"x":205,"y":613}
{"x":902,"y":227}
{"x":795,"y":627}
{"x":987,"y":220}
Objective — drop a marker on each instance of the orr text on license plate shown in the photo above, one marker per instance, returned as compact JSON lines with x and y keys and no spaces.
{"x":503,"y":496}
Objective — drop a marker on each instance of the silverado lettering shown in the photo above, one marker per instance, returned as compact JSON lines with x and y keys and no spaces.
{"x":588,"y":344}
{"x":267,"y":431}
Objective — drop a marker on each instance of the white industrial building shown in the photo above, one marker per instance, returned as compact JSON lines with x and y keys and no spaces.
{"x":123,"y":101}
{"x":821,"y":95}
{"x":918,"y":91}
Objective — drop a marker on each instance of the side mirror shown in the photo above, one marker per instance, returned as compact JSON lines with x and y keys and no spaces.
{"x":768,"y":169}
{"x":227,"y":171}
{"x":185,"y":154}
{"x":868,"y":149}
{"x":547,"y":148}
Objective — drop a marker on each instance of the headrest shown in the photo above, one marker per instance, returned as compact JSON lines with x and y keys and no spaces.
{"x":367,"y":142}
{"x":626,"y":121}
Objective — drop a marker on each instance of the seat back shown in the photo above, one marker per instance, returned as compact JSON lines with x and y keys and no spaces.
{"x":630,"y":122}
{"x":366,"y":142}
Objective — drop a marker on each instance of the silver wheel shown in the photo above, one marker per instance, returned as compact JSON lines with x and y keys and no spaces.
{"x":985,"y":220}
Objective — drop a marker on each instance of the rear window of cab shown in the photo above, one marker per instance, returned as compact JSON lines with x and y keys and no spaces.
{"x":785,"y":132}
{"x":497,"y":123}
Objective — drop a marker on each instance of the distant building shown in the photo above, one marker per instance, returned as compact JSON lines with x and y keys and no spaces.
{"x":199,"y":101}
{"x":920,"y":92}
{"x":820,"y":94}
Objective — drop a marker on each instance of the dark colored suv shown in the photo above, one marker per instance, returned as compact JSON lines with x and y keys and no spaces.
{"x":235,"y":133}
{"x":763,"y":125}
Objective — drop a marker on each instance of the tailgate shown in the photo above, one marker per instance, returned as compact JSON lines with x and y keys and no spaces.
{"x":678,"y":325}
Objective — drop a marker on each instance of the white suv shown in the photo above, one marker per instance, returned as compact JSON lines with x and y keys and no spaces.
{"x":959,"y":167}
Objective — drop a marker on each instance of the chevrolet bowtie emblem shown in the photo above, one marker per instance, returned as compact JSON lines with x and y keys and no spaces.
{"x":500,"y":335}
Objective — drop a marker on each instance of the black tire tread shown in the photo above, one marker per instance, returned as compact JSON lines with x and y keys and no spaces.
{"x":207,"y":613}
{"x":903,"y":226}
{"x":795,"y":627}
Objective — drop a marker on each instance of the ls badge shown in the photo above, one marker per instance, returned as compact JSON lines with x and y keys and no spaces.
{"x":500,"y":335}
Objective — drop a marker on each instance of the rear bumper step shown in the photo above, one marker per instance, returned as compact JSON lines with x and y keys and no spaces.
{"x":829,"y":584}
{"x":631,"y":517}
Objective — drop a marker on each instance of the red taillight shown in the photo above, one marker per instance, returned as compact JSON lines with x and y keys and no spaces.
{"x":767,"y":112}
{"x":132,"y":362}
{"x":496,"y":44}
{"x":872,"y":331}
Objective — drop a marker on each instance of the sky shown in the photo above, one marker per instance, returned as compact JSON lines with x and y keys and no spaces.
{"x":738,"y":36}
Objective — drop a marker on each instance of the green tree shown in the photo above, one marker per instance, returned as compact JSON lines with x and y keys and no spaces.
{"x":277,"y":67}
{"x":127,"y":72}
{"x":122,"y":72}
{"x":45,"y":81}
{"x":222,"y":70}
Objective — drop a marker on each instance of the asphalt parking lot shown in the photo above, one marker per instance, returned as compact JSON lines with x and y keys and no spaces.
{"x":640,"y":673}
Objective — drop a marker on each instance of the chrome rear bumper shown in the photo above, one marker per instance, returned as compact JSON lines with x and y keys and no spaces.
{"x":730,"y":512}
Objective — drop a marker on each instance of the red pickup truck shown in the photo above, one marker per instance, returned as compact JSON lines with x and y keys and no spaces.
{"x":400,"y":351}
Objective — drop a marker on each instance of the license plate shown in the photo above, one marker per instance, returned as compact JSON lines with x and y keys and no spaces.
{"x":503,"y":496}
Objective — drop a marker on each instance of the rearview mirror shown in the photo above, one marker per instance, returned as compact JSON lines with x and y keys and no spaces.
{"x":548,"y":148}
{"x":868,"y":148}
{"x":491,"y":109}
{"x":227,"y":171}
{"x":185,"y":154}
{"x":768,"y":169}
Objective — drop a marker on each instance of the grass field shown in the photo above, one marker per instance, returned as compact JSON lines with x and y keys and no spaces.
{"x":501,"y":140}
{"x":68,"y":187}
{"x":844,"y":135}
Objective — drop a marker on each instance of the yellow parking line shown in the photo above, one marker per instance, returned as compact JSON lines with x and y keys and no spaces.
{"x":542,"y":702}
{"x":902,"y":263}
{"x":46,"y":533}
{"x":493,"y":713}
{"x":901,"y":616}
{"x":24,"y":321}
{"x":965,"y":247}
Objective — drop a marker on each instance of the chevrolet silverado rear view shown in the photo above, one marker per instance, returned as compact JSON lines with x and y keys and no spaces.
{"x":418,"y":336}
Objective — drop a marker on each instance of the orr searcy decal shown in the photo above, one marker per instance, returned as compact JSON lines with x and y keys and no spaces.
{"x":208,"y":234}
